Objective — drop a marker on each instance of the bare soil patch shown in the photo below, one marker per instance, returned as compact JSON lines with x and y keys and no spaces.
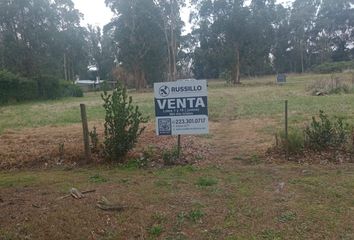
{"x":45,"y":147}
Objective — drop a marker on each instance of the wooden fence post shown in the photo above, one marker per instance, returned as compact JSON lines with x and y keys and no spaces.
{"x":178,"y":146}
{"x":85,"y":133}
{"x":286,"y":130}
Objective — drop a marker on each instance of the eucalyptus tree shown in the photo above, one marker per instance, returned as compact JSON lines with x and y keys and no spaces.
{"x":335,"y":27}
{"x":172,"y":27}
{"x":139,"y":39}
{"x":234,"y":37}
{"x":302,"y":27}
{"x":41,"y":37}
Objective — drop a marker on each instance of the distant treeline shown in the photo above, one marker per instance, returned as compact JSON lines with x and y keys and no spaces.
{"x":144,"y":41}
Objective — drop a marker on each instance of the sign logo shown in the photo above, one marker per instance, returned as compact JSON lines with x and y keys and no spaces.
{"x":164,"y":91}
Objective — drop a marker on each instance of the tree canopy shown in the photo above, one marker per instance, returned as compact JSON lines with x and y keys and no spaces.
{"x":145,"y":38}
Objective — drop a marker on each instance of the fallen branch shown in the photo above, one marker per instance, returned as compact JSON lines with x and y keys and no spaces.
{"x":106,"y":205}
{"x":76,"y":194}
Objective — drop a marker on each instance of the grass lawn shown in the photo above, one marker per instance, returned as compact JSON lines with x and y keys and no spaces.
{"x":232,"y":193}
{"x":256,"y":98}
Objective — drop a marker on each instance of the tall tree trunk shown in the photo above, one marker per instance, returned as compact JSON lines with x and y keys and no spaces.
{"x":236,"y":74}
{"x":169,"y":71}
{"x":65,"y":68}
{"x":136,"y":78}
{"x":173,"y":43}
{"x":142,"y":80}
{"x":139,"y":78}
{"x":302,"y":56}
{"x":72,"y":72}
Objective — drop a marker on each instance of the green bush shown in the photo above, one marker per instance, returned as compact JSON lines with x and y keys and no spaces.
{"x":334,"y":85}
{"x":226,"y":75}
{"x":333,"y":67}
{"x":170,"y":157}
{"x":48,"y":87}
{"x":14,"y":88}
{"x":68,"y":89}
{"x":294,"y":143}
{"x":324,"y":134}
{"x":122,"y":123}
{"x":27,"y":90}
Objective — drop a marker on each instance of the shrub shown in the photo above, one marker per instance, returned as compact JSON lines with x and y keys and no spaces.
{"x":324,"y":133}
{"x":226,"y":75}
{"x":27,"y":90}
{"x":196,"y":215}
{"x":332,"y":67}
{"x":48,"y":87}
{"x":14,"y":88}
{"x":122,"y":123}
{"x":294,"y":143}
{"x":335,"y":85}
{"x":156,"y":230}
{"x":170,"y":157}
{"x":68,"y":89}
{"x":206,"y":181}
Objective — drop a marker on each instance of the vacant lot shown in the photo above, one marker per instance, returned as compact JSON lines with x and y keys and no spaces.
{"x":230,"y":189}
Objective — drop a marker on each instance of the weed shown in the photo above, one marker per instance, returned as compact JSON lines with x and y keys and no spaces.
{"x":270,"y":234}
{"x":255,"y":159}
{"x":226,"y":76}
{"x":61,"y":151}
{"x":149,"y":152}
{"x":94,"y":140}
{"x":16,"y":180}
{"x":136,"y":163}
{"x":206,"y":182}
{"x":156,"y":230}
{"x":179,"y":236}
{"x":195,"y":215}
{"x":170,"y":157}
{"x":334,"y":85}
{"x":162,"y":183}
{"x":199,"y":157}
{"x":97,"y":178}
{"x":124,"y":180}
{"x":7,"y":235}
{"x":159,"y":217}
{"x":181,"y":217}
{"x":286,"y":217}
{"x":295,"y":141}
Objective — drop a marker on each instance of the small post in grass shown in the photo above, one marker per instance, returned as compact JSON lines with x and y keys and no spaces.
{"x":85,"y":132}
{"x":178,"y":146}
{"x":286,"y":130}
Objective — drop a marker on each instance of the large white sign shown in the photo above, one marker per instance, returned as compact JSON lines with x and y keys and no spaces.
{"x":181,"y":107}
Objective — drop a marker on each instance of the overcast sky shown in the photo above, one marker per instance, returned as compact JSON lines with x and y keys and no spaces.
{"x":96,"y":13}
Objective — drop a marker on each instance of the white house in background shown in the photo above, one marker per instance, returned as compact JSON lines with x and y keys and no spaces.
{"x":90,"y":85}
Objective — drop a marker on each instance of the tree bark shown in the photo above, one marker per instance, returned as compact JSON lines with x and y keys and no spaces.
{"x":173,"y":43}
{"x":65,"y":68}
{"x":236,"y":75}
{"x":165,"y":30}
